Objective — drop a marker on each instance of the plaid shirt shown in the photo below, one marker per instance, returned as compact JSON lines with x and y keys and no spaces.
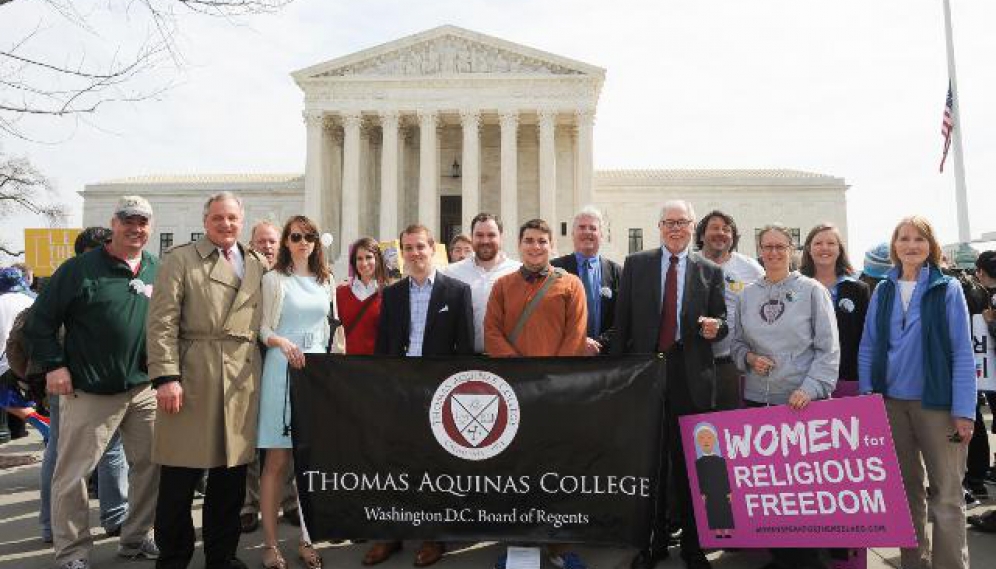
{"x":418,"y":301}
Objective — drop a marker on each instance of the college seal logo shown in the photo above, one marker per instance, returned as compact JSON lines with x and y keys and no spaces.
{"x":474,"y":414}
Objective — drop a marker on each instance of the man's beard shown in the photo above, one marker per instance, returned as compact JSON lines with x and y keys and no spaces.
{"x":485,"y":252}
{"x":712,"y":252}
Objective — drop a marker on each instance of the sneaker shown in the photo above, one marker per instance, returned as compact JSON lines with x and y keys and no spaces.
{"x":568,"y":560}
{"x":76,"y":564}
{"x":146,"y":549}
{"x":971,"y":501}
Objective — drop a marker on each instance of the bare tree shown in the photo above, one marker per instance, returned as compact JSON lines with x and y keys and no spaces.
{"x":23,"y":189}
{"x":35,"y":85}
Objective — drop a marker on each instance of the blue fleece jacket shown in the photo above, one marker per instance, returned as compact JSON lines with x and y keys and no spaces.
{"x":905,"y":375}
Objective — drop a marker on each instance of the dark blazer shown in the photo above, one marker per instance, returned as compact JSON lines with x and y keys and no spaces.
{"x":850,"y":324}
{"x":449,"y":322}
{"x":611,"y":273}
{"x":638,"y":317}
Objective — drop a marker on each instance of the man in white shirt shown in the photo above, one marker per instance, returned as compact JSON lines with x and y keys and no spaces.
{"x":483,"y":268}
{"x":717,"y":236}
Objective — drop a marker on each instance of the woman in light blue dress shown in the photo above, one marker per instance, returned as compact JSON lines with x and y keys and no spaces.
{"x":298,"y":294}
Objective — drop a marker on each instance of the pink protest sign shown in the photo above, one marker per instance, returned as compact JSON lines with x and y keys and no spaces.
{"x":826,"y":476}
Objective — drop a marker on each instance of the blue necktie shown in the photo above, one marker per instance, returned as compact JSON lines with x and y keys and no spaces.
{"x":587,"y":272}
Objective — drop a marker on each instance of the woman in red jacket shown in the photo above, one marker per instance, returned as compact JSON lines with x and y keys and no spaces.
{"x":359,"y":299}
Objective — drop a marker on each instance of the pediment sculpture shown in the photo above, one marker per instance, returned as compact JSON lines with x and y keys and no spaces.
{"x":450,"y":55}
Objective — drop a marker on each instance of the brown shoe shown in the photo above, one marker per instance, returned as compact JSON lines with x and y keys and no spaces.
{"x":380,"y":552}
{"x":429,"y":552}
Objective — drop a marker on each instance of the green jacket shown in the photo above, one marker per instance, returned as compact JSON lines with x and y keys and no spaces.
{"x":103,"y":306}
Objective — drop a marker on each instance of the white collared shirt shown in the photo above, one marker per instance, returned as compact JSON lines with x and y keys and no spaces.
{"x":363,"y":291}
{"x":480,"y":281}
{"x":238,"y":263}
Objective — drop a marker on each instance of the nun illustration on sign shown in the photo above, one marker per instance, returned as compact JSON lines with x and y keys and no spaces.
{"x":714,"y":482}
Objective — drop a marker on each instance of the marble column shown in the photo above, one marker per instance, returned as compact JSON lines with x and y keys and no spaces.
{"x":509,"y":124}
{"x":470,"y":203}
{"x":428,"y":171}
{"x":548,"y":167}
{"x":333,"y":211}
{"x":314,"y":169}
{"x":584,"y":194}
{"x":323,"y":217}
{"x":350,"y":225}
{"x":389,"y":175}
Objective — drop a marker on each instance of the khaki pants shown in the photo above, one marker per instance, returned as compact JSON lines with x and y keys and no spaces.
{"x":921,"y":438}
{"x":87,"y":422}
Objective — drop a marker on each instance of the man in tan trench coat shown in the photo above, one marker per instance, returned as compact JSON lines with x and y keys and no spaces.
{"x":205,"y":366}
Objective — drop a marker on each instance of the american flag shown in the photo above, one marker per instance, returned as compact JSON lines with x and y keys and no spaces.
{"x":947,"y":125}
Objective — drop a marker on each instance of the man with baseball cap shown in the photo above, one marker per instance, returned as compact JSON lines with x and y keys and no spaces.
{"x":102,"y":299}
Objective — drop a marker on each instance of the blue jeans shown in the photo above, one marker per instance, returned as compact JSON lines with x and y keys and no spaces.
{"x":112,"y":478}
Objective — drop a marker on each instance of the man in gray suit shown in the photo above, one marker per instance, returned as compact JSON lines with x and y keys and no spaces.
{"x":671,"y":302}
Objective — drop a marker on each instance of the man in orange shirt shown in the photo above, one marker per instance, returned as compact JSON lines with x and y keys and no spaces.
{"x":557,"y":323}
{"x":538,"y":310}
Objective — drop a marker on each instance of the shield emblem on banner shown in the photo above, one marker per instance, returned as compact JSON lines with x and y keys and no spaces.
{"x":474,"y":415}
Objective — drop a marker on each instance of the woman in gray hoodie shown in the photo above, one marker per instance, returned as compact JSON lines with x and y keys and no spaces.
{"x":785,"y":340}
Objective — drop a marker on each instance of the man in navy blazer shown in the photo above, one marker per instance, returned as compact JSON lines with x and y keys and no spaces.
{"x":671,"y":302}
{"x":424,"y":314}
{"x":599,"y":275}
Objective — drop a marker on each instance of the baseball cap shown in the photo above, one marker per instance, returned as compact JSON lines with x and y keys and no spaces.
{"x":133,"y":205}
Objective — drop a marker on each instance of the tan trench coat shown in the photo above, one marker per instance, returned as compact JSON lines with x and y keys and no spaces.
{"x":202,"y":327}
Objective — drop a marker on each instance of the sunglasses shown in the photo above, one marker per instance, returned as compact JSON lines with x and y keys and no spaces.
{"x":309,"y":237}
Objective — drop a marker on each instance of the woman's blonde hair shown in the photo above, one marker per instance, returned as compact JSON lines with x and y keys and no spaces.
{"x":926,"y":230}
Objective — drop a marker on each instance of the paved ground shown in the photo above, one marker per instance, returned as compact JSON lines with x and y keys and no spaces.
{"x":21,"y":547}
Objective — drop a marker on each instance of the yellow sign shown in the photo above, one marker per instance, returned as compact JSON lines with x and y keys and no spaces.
{"x":396,"y":263}
{"x":46,"y":249}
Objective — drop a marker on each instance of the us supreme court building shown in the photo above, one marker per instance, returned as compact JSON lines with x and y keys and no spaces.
{"x":438,"y":126}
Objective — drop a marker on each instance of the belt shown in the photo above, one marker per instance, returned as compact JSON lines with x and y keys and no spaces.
{"x":230,"y":336}
{"x":723,"y":360}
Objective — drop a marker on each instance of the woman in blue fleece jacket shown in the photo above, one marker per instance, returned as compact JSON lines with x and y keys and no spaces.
{"x":916,"y":351}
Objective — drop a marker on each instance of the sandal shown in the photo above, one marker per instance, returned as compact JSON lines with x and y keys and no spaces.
{"x":272,"y":558}
{"x":309,"y":556}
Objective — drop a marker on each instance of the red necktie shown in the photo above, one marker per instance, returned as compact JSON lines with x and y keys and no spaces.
{"x":669,"y":308}
{"x":227,"y":253}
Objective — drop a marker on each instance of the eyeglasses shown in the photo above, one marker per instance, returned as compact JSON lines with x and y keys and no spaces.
{"x":676,"y":223}
{"x":309,"y":237}
{"x":775,"y":248}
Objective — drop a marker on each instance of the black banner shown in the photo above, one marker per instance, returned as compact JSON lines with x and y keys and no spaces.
{"x":470,"y":448}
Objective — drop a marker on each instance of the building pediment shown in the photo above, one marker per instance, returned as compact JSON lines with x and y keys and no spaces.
{"x":448,"y":51}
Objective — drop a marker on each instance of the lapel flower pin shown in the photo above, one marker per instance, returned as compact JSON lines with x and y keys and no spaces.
{"x":846,"y":304}
{"x":606,"y":292}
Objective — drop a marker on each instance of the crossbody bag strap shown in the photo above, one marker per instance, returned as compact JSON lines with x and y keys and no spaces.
{"x":359,"y":315}
{"x":528,"y":311}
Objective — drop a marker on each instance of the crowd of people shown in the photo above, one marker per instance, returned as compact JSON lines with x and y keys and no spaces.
{"x":169,"y":377}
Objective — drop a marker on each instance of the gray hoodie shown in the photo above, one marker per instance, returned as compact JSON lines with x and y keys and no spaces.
{"x":793,"y":323}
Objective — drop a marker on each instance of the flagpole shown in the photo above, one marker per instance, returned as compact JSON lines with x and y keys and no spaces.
{"x":961,"y":193}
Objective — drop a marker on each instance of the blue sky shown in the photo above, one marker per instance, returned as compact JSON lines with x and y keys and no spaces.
{"x":850,"y":88}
